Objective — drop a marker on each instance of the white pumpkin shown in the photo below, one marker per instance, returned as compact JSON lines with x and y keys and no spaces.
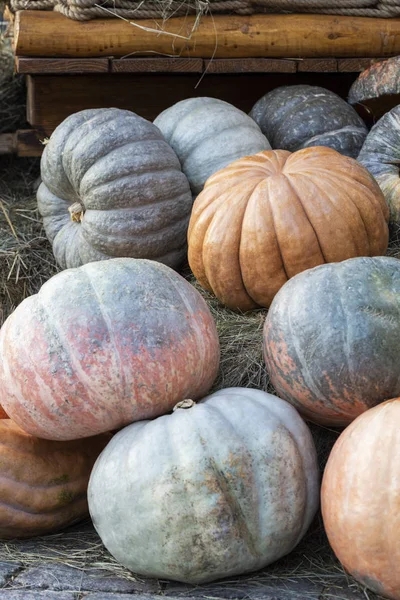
{"x":215,"y":489}
{"x":208,"y":134}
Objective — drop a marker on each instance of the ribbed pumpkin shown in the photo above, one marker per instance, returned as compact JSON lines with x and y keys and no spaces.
{"x":267,"y":217}
{"x":104,"y":345}
{"x":207,"y":134}
{"x":332,"y":339}
{"x":300,"y":116}
{"x":380,"y":154}
{"x":43,"y":483}
{"x":113,"y":187}
{"x":360,"y":499}
{"x":223,"y":487}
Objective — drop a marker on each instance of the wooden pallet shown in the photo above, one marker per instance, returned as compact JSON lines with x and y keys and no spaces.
{"x":254,"y":55}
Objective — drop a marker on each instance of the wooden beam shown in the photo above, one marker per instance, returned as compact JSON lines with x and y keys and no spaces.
{"x":50,"y":34}
{"x":250,"y":65}
{"x":354,"y":65}
{"x":157,"y":65}
{"x":25,"y":142}
{"x":61,"y":65}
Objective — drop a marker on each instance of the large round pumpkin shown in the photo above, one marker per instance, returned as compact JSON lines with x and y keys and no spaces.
{"x":300,"y":116}
{"x":360,"y":499}
{"x":265,"y":218}
{"x":43,"y":483}
{"x":380,"y":154}
{"x":104,"y":345}
{"x":332,"y":339}
{"x":207,"y":134}
{"x":223,"y":487}
{"x":113,"y":187}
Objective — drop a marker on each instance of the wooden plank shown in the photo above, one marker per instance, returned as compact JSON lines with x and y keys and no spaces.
{"x":52,"y":98}
{"x":7,"y":143}
{"x":250,"y":65}
{"x":61,"y":65}
{"x":317,"y":65}
{"x":157,"y":65}
{"x":354,"y":65}
{"x":22,"y":142}
{"x":50,"y":34}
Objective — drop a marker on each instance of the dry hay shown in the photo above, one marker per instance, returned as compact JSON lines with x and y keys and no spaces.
{"x":12,"y":88}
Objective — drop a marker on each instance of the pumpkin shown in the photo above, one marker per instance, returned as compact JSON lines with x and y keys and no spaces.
{"x":112,"y":187}
{"x":104,"y":345}
{"x":218,"y":488}
{"x":300,"y":116}
{"x":43,"y":483}
{"x":377,"y":88}
{"x":331,"y":339}
{"x":380,"y":154}
{"x":265,"y":218}
{"x":360,"y":499}
{"x":207,"y":134}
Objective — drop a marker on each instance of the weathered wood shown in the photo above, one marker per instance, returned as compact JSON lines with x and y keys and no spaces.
{"x":50,"y":34}
{"x":61,"y":65}
{"x":157,"y":65}
{"x":317,"y":65}
{"x":354,"y":65}
{"x":250,"y":65}
{"x":7,"y":143}
{"x":25,"y":142}
{"x":52,"y":98}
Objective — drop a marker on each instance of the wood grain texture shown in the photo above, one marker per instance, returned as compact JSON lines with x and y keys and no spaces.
{"x":354,"y":65}
{"x":61,"y":65}
{"x":7,"y":143}
{"x":250,"y":65}
{"x":317,"y":65}
{"x":49,"y":34}
{"x":52,"y":98}
{"x":157,"y":65}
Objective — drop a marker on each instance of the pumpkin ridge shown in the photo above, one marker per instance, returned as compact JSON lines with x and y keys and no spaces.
{"x":154,"y":165}
{"x":351,"y":201}
{"x":44,"y":513}
{"x":108,"y":323}
{"x":66,"y":347}
{"x":288,"y":178}
{"x":346,"y":128}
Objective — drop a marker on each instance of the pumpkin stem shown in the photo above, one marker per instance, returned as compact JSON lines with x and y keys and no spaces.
{"x":184,"y":404}
{"x":76,"y":211}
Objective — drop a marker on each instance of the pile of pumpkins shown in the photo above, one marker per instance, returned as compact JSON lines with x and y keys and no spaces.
{"x":104,"y":374}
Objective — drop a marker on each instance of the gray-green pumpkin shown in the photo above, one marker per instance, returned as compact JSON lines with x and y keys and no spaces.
{"x":113,"y":187}
{"x":300,"y":116}
{"x":380,"y":154}
{"x":208,"y":134}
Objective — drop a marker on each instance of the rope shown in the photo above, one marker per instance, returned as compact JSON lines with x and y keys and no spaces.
{"x":84,"y":10}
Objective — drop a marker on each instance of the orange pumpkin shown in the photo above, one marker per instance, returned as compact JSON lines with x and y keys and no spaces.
{"x":3,"y":414}
{"x":360,"y":499}
{"x":43,"y":483}
{"x":267,"y":217}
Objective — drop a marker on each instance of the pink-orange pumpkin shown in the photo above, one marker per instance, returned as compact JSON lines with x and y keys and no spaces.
{"x":360,"y":499}
{"x":104,"y":345}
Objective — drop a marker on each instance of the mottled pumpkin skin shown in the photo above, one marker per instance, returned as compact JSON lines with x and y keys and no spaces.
{"x":207,"y":134}
{"x":380,"y":79}
{"x":293,"y":117}
{"x":43,"y":483}
{"x":380,"y":154}
{"x":134,"y":199}
{"x":331,"y":339}
{"x":266,"y":218}
{"x":104,"y":345}
{"x":360,"y":499}
{"x":222,"y":488}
